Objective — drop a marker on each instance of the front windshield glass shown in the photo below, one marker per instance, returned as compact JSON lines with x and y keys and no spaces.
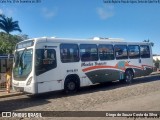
{"x":23,"y":63}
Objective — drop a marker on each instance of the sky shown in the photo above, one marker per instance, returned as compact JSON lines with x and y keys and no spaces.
{"x":87,"y":19}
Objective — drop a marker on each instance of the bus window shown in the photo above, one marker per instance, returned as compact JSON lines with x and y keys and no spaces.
{"x":133,"y":51}
{"x":145,"y":52}
{"x":45,"y":60}
{"x":106,"y":52}
{"x":69,"y":53}
{"x":121,"y":51}
{"x":88,"y":52}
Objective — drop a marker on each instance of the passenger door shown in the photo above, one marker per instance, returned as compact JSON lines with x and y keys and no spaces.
{"x":46,"y":70}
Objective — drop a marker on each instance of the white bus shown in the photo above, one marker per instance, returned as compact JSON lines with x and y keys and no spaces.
{"x":49,"y":64}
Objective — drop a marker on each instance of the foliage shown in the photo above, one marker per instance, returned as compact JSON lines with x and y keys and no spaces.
{"x":156,"y":63}
{"x":8,"y":42}
{"x":8,"y":25}
{"x":23,"y":36}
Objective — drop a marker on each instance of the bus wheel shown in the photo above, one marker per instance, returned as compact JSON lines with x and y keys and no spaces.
{"x":71,"y":85}
{"x":128,"y":77}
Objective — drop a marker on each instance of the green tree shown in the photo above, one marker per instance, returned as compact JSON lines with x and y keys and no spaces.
{"x":8,"y":25}
{"x":8,"y":42}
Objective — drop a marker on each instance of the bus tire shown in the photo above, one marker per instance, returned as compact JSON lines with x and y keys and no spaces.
{"x":71,"y":84}
{"x":128,"y":76}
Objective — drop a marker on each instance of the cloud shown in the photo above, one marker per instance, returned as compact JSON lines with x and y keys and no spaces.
{"x":9,"y":12}
{"x":105,"y":12}
{"x":49,"y":13}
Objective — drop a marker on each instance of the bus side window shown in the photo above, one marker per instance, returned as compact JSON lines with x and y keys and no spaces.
{"x":88,"y":52}
{"x":133,"y":51}
{"x":121,"y":51}
{"x":45,"y":60}
{"x":145,"y":51}
{"x":106,"y":52}
{"x":45,"y":54}
{"x":69,"y":53}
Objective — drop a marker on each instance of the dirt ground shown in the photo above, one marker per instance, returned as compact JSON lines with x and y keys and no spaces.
{"x":142,"y":95}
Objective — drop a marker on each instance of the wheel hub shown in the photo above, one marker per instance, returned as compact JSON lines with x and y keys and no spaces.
{"x":71,"y":86}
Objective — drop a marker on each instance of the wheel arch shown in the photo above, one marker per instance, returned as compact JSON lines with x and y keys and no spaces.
{"x":130,"y":69}
{"x":73,"y":76}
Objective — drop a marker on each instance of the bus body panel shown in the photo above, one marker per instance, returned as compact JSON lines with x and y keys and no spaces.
{"x":101,"y":71}
{"x":52,"y":77}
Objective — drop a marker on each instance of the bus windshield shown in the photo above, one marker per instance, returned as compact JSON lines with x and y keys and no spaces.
{"x":23,"y":63}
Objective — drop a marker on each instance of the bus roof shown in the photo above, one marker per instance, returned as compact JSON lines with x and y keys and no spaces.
{"x":95,"y":40}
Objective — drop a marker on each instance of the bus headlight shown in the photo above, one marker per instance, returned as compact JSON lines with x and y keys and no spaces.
{"x":29,"y":81}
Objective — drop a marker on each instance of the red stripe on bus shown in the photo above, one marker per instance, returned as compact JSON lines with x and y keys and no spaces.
{"x":96,"y":67}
